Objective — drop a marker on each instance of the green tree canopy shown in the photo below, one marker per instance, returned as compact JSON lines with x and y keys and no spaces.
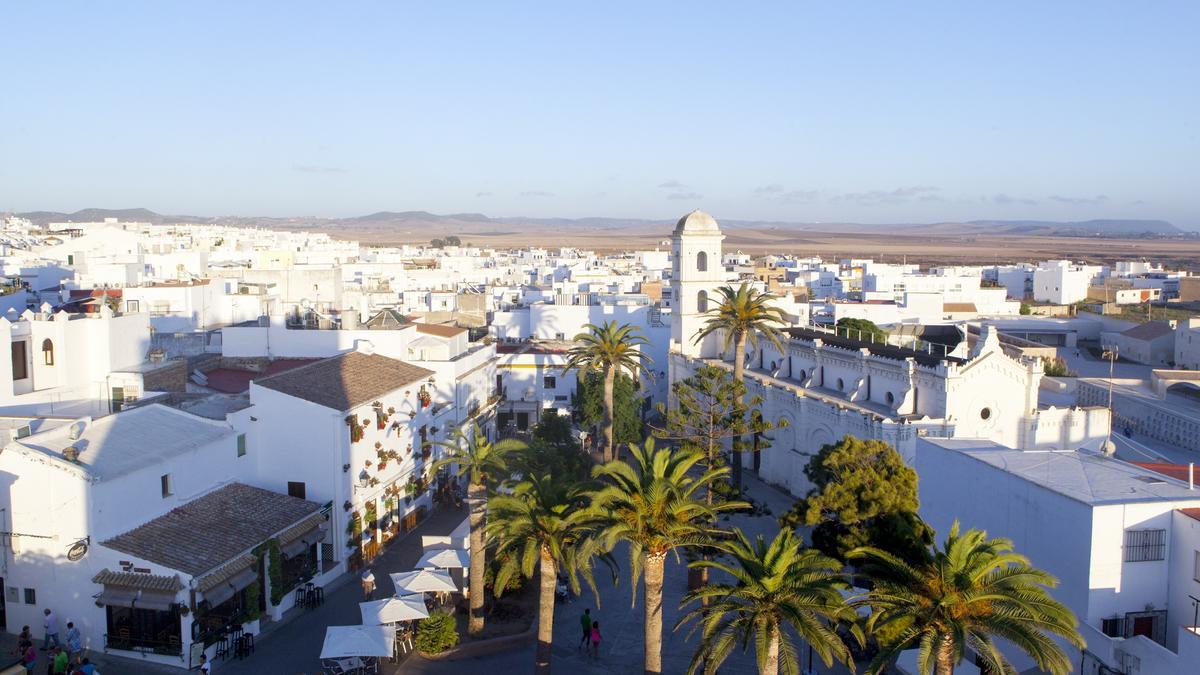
{"x":626,"y":404}
{"x":861,"y":329}
{"x":863,"y":494}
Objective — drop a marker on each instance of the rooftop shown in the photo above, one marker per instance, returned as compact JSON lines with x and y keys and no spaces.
{"x":440,"y":330}
{"x":1151,"y":330}
{"x":237,"y":380}
{"x":209,"y":531}
{"x":123,"y":443}
{"x":1080,"y":475}
{"x":345,"y":381}
{"x":876,"y":348}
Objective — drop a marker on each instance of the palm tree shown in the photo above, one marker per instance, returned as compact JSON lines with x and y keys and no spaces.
{"x":485,"y":465}
{"x":968,"y":593}
{"x":543,"y":525}
{"x":653,"y":503}
{"x":742,"y":315}
{"x":776,"y":585}
{"x":609,"y":348}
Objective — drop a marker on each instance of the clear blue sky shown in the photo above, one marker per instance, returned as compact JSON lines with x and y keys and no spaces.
{"x":861,"y":111}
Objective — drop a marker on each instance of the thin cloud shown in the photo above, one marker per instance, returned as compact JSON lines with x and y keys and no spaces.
{"x":797,"y":196}
{"x":1079,"y":201}
{"x":537,"y":193}
{"x":773,"y":188}
{"x":685,"y":195}
{"x":313,"y":168}
{"x":1008,"y":200}
{"x":885,"y":197}
{"x":672,"y":185}
{"x":483,"y":194}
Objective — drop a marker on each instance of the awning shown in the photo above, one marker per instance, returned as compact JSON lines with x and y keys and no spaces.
{"x":155,"y":601}
{"x":117,"y":597}
{"x":228,"y":589}
{"x":302,"y":544}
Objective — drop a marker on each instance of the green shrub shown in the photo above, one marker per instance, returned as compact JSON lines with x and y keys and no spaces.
{"x":436,"y":634}
{"x":1057,"y":367}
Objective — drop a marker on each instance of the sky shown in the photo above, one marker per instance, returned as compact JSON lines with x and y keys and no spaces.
{"x":798,"y":111}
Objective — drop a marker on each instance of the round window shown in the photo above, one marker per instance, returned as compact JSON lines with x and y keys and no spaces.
{"x":891,"y":398}
{"x":986,"y":413}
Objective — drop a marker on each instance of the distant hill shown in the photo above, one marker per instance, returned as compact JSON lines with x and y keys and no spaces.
{"x":478,"y":223}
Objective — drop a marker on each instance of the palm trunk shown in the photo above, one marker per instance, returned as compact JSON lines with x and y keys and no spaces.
{"x":653,"y":586}
{"x":610,"y":379}
{"x":739,"y":368}
{"x":477,"y":503}
{"x":944,"y":664}
{"x":549,"y":582}
{"x":770,"y":664}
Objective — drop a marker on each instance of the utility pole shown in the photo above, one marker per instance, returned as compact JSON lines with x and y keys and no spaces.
{"x":1110,"y":352}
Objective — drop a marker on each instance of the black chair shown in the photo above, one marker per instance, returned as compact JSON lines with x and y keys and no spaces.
{"x":223,"y":646}
{"x":319,"y":594}
{"x":300,"y":597}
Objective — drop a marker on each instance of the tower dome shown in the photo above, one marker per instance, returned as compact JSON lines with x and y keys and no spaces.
{"x":697,"y":222}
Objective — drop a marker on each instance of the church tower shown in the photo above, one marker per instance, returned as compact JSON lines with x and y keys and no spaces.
{"x":696,"y":273}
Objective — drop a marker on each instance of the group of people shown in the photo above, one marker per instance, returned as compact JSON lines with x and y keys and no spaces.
{"x":590,"y":642}
{"x":61,"y":659}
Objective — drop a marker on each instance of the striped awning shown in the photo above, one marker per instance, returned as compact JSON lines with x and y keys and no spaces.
{"x":231,"y":586}
{"x":225,"y":572}
{"x":138,"y":582}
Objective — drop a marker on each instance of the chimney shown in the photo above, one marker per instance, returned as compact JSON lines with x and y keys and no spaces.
{"x":71,"y":454}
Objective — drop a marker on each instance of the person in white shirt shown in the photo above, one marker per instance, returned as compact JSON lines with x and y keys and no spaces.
{"x":205,"y":666}
{"x":368,"y":583}
{"x":50,"y":623}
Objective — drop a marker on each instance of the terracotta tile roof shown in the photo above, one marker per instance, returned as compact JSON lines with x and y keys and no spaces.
{"x":237,"y":381}
{"x":212,"y":530}
{"x":346,"y":381}
{"x":440,"y":330}
{"x":1176,"y":471}
{"x":958,"y":307}
{"x":225,"y":572}
{"x":145,"y":582}
{"x":300,"y":529}
{"x":1193,"y":513}
{"x":1151,"y":330}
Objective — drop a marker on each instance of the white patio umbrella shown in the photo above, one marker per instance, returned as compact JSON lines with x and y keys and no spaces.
{"x":422,"y":581}
{"x":392,"y":610}
{"x":347,"y":641}
{"x":445,"y":558}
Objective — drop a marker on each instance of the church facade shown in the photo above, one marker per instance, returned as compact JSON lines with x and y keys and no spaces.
{"x":823,"y":386}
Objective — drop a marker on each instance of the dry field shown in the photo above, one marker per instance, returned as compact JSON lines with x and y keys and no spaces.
{"x":902,"y":244}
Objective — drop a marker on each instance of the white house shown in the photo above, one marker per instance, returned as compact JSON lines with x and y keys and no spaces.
{"x":1123,"y":541}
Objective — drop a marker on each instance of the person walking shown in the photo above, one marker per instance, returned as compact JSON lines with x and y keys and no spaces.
{"x":205,"y":666}
{"x":28,"y":656}
{"x":368,"y":583}
{"x":585,"y":621}
{"x":61,"y":662}
{"x":74,"y":642}
{"x":50,"y":624}
{"x":595,"y":639}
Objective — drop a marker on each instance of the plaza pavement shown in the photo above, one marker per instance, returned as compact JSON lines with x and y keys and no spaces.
{"x":621,"y":622}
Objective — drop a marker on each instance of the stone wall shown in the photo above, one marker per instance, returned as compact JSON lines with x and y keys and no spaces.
{"x":171,"y":376}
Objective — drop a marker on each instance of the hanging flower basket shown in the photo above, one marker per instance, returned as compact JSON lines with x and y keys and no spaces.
{"x":424,"y":397}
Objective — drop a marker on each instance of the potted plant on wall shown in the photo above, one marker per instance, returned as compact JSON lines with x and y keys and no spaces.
{"x":424,"y":397}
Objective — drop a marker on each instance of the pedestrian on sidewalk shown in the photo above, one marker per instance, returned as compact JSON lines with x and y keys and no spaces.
{"x":368,"y":584}
{"x":26,"y":635}
{"x":50,"y":624}
{"x":74,"y":642}
{"x":28,"y":656}
{"x":586,"y":622}
{"x":595,"y":639}
{"x":205,"y":666}
{"x":61,"y":662}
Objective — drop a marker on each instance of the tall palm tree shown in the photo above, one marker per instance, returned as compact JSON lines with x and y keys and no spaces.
{"x":742,"y":315}
{"x":485,"y":465}
{"x":971,"y":591}
{"x":609,"y":348}
{"x":653,"y":502}
{"x":543,"y":524}
{"x":777,"y":585}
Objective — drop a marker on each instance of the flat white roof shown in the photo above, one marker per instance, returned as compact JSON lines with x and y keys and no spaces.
{"x":120,"y":444}
{"x":1082,"y":475}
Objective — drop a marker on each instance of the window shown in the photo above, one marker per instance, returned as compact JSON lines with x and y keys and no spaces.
{"x":890,"y":398}
{"x":1145,"y":545}
{"x":841,"y":384}
{"x":48,"y":351}
{"x":550,"y":382}
{"x":30,"y":596}
{"x":701,"y":262}
{"x":1114,"y":627}
{"x":296,"y":489}
{"x":133,"y":306}
{"x":241,"y":445}
{"x":1196,"y":567}
{"x":702,"y":301}
{"x":18,"y":361}
{"x":165,"y":481}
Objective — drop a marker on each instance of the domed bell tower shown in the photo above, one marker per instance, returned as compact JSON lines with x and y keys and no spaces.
{"x":696,"y":273}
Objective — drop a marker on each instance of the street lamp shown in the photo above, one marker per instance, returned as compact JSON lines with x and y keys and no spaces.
{"x":1110,"y":353}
